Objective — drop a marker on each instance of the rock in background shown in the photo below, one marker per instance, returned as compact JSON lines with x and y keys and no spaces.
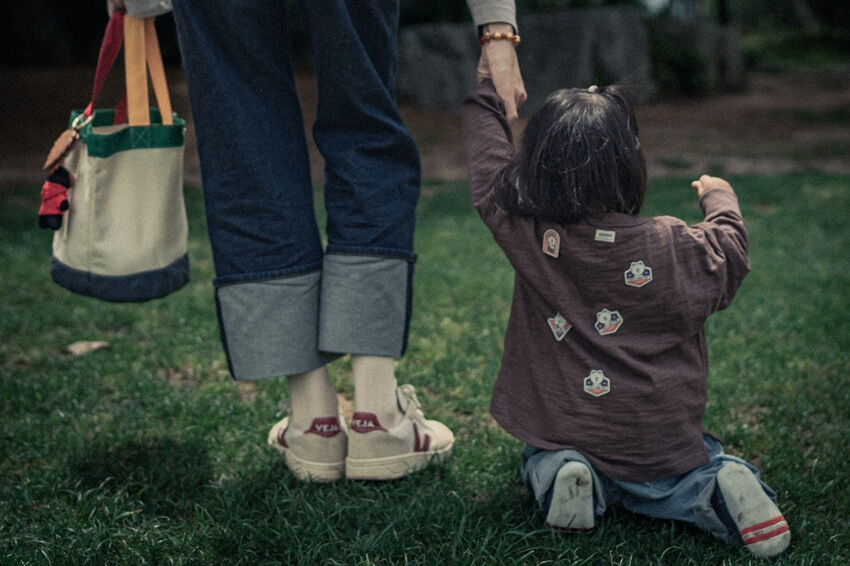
{"x":570,"y":48}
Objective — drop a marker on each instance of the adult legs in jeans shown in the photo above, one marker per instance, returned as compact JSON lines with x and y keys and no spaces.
{"x":371,"y":189}
{"x":285,"y":308}
{"x":256,"y":178}
{"x":371,"y":185}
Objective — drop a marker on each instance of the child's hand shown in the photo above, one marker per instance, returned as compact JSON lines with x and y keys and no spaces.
{"x":706,"y":183}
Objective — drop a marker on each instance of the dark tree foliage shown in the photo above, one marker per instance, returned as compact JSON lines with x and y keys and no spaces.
{"x":62,"y":32}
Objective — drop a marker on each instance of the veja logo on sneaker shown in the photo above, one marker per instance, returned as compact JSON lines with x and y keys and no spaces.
{"x":326,"y":427}
{"x":365,"y":422}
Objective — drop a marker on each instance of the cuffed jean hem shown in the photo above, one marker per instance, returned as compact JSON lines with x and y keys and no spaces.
{"x":269,"y":327}
{"x":365,"y":304}
{"x":689,"y":498}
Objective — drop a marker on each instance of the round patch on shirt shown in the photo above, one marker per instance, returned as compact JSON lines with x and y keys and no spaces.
{"x":597,"y":384}
{"x":608,"y":322}
{"x":638,"y":274}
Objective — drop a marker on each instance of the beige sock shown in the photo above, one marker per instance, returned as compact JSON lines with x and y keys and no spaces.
{"x":375,"y":388}
{"x":312,"y":395}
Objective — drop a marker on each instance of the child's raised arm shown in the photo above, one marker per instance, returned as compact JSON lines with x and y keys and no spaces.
{"x":726,"y":233}
{"x":487,"y":138}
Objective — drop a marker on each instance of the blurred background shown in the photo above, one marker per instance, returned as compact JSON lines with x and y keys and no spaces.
{"x":721,"y":85}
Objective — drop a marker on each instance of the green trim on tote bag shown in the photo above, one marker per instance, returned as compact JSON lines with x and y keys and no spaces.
{"x":122,"y":137}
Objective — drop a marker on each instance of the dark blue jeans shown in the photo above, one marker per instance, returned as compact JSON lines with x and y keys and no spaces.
{"x":287,"y":304}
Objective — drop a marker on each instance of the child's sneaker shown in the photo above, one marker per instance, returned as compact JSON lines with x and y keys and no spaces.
{"x":572,"y":500}
{"x":375,"y":453}
{"x":316,"y":454}
{"x":759,"y":522}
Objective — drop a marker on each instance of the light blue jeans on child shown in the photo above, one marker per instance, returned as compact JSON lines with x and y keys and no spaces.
{"x":690,"y":498}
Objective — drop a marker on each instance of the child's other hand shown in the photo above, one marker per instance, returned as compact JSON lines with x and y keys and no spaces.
{"x":706,"y":183}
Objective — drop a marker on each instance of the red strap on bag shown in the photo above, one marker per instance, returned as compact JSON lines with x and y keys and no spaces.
{"x":141,"y":54}
{"x":113,"y":38}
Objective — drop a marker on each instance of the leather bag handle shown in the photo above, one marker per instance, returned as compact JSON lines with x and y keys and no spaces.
{"x":141,"y":54}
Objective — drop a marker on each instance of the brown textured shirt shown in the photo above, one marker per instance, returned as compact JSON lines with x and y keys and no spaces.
{"x":605,"y":347}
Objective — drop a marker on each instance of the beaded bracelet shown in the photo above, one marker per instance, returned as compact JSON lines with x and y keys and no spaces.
{"x":489,"y":36}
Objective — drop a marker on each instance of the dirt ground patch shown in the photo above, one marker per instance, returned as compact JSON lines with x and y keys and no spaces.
{"x":778,"y":123}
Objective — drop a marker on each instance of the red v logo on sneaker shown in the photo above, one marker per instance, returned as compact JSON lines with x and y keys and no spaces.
{"x":421,"y":443}
{"x":365,"y":422}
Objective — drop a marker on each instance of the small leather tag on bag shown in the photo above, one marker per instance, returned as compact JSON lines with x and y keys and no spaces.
{"x":60,"y":150}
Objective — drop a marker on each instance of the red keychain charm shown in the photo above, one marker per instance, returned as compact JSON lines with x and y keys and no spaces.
{"x":54,"y":191}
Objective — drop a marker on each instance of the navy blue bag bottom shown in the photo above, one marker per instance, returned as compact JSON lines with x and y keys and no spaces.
{"x":133,"y":288}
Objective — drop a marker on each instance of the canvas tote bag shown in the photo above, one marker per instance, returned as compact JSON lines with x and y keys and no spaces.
{"x":124,"y":236}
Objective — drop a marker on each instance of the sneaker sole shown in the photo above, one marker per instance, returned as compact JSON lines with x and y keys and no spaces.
{"x":307,"y":470}
{"x":760,"y":523}
{"x":393,"y":467}
{"x":571,"y":509}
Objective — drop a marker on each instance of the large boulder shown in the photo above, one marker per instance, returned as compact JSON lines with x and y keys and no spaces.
{"x":720,"y":47}
{"x":578,"y":48}
{"x":436,"y":65}
{"x":570,"y":48}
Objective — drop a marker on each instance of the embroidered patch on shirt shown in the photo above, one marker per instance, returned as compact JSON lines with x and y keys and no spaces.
{"x":559,"y":326}
{"x":605,"y":236}
{"x":608,"y":322}
{"x":638,"y":274}
{"x":551,"y":243}
{"x":596,"y":383}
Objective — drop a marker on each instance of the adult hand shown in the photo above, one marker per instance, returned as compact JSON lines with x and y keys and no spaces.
{"x":139,"y":8}
{"x":112,"y":5}
{"x":498,"y":62}
{"x":706,"y":183}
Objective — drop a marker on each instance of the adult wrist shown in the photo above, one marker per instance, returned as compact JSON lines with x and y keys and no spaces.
{"x":498,"y":27}
{"x":498,"y":31}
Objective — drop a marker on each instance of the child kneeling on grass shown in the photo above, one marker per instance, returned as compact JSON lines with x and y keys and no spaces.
{"x":605,"y":366}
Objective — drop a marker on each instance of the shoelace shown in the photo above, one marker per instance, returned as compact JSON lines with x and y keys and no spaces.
{"x":413,"y":409}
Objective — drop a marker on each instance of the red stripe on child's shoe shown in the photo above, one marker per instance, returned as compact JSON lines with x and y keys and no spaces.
{"x":768,"y":535}
{"x":751,"y":534}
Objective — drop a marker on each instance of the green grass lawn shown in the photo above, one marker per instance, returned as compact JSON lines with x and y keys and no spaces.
{"x":146,"y":452}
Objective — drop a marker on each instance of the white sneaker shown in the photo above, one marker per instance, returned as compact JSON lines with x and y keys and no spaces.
{"x":759,"y":521}
{"x":375,"y":453}
{"x":316,"y":454}
{"x":572,"y":500}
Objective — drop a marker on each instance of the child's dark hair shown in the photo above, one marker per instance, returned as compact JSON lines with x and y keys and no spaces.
{"x":579,"y":155}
